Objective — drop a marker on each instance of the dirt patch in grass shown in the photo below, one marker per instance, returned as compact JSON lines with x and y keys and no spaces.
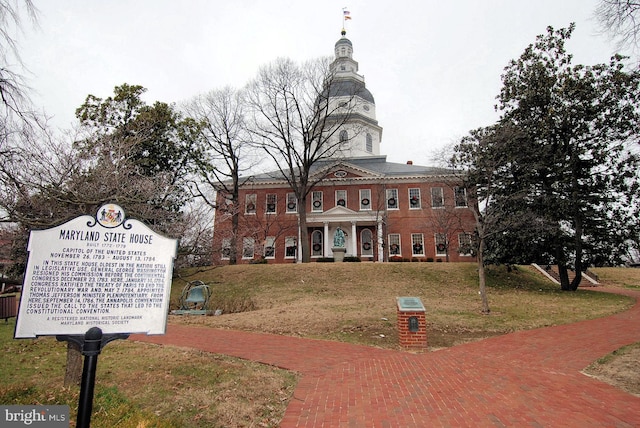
{"x":620,"y":369}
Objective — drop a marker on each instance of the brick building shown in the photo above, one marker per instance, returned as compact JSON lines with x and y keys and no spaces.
{"x":386,"y":210}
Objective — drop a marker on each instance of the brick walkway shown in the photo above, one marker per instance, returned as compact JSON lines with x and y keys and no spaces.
{"x":530,"y":378}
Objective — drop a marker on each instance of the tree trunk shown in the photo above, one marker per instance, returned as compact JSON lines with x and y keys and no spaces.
{"x":578,"y":262}
{"x":303,"y":245}
{"x":482,"y":278}
{"x":73,"y":372}
{"x":563,"y":272}
{"x":233,"y":245}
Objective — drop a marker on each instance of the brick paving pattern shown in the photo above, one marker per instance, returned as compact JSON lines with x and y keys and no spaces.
{"x":524,"y":379}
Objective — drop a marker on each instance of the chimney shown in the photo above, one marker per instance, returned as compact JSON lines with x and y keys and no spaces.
{"x":409,"y":162}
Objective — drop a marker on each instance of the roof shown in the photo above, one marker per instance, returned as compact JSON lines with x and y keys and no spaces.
{"x":349,"y":88}
{"x":377,"y":165}
{"x":380,"y":165}
{"x":344,"y":41}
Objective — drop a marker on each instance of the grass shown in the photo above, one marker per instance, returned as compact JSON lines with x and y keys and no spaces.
{"x":356,"y":302}
{"x":143,"y":385}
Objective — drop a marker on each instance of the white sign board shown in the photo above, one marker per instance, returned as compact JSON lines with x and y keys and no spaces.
{"x":107,"y":272}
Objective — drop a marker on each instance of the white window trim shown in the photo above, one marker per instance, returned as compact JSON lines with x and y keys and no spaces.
{"x":266,"y":205}
{"x":387,"y":199}
{"x":226,"y":245}
{"x":444,"y":253}
{"x":460,"y":244}
{"x":313,"y":202}
{"x":421,"y":244}
{"x":250,"y":201}
{"x":338,"y":198}
{"x":253,"y":246}
{"x":411,"y":206}
{"x":399,"y":244}
{"x":369,"y":252}
{"x":321,"y":244}
{"x":368,"y":198}
{"x":273,"y":244}
{"x":291,"y":201}
{"x":294,"y":240}
{"x":442,"y":197}
{"x":455,"y":199}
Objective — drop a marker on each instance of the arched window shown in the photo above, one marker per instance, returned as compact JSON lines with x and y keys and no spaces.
{"x":366,"y":242}
{"x":344,"y":136}
{"x":316,"y":244}
{"x":369,"y":143}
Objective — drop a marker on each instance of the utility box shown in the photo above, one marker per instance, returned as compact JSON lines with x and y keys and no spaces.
{"x":412,"y":323}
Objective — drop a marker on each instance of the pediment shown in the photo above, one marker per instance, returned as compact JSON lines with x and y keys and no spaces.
{"x":341,"y":214}
{"x":344,"y":170}
{"x":339,"y":210}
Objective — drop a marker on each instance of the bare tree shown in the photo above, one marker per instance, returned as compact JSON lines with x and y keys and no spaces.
{"x":621,"y":20}
{"x":223,"y":153}
{"x":296,"y":116}
{"x":17,"y":115}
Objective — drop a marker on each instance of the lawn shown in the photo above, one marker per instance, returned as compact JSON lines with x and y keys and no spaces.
{"x":143,"y":385}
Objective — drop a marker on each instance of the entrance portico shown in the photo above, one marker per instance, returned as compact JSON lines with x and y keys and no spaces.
{"x":350,"y":222}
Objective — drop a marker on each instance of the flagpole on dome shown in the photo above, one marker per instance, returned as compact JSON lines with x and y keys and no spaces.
{"x":346,"y":15}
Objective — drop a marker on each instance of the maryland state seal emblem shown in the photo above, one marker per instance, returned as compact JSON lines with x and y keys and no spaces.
{"x":110,"y":215}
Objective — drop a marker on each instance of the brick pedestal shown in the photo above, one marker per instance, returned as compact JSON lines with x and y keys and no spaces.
{"x":412,"y":323}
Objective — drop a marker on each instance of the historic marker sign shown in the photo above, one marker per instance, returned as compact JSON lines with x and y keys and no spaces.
{"x":105,"y":271}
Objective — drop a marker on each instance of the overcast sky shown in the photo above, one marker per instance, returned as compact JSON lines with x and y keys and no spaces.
{"x":433,"y":67}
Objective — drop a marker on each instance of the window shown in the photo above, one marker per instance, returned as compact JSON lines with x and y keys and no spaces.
{"x":437,"y":197}
{"x":369,"y":144}
{"x":271,"y":203}
{"x":366,"y":239}
{"x":441,"y":244}
{"x":417,"y":244}
{"x":460,"y":196}
{"x":414,"y":199}
{"x":341,"y":198}
{"x":248,"y":245}
{"x":270,"y":247}
{"x":316,"y":201}
{"x":466,"y":244}
{"x":292,"y":203}
{"x":316,"y":244}
{"x":344,"y":136}
{"x":365,"y":199}
{"x":394,"y":244}
{"x":226,"y":248}
{"x":250,"y":204}
{"x":290,"y":247}
{"x":392,"y":199}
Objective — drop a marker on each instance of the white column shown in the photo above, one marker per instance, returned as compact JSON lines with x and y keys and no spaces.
{"x":325,"y":247}
{"x":354,"y":240}
{"x":380,"y":249}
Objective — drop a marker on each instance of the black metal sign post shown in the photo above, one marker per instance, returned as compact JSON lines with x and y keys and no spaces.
{"x":91,"y":345}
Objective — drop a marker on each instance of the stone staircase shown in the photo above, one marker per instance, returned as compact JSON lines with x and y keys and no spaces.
{"x":589,"y":279}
